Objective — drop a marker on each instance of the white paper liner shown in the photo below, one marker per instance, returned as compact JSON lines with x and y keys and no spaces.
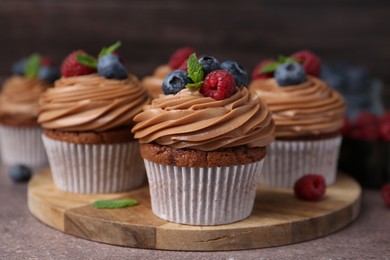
{"x":202,"y":195}
{"x":95,"y":168}
{"x":22,"y":145}
{"x":287,"y":161}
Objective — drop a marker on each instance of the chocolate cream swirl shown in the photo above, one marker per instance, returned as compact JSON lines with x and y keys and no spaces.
{"x":91,"y":103}
{"x":309,"y":108}
{"x":20,"y":96}
{"x":190,"y":120}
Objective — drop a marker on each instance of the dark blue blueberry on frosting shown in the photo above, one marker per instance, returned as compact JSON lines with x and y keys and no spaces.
{"x":209,"y":64}
{"x":175,"y":81}
{"x":239,"y":73}
{"x":290,"y":73}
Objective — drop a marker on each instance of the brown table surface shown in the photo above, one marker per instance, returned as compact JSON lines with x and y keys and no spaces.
{"x":24,"y":237}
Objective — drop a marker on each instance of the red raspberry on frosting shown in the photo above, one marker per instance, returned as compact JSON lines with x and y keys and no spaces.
{"x":218,"y":84}
{"x":256,"y":72}
{"x":310,"y":62}
{"x":179,"y":56}
{"x":71,"y":67}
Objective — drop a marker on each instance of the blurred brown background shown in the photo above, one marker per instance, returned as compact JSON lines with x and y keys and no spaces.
{"x":355,"y":31}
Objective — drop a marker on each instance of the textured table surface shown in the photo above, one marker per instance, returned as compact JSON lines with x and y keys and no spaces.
{"x":24,"y":237}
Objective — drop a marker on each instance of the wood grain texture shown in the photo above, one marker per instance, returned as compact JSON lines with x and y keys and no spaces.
{"x":356,"y":31}
{"x":278,"y":218}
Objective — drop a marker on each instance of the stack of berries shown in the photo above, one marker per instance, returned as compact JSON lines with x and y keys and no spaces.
{"x":206,"y":74}
{"x":108,"y":64}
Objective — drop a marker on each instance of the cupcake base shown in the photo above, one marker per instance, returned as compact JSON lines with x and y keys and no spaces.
{"x":289,"y":160}
{"x":22,"y":145}
{"x":95,"y":168}
{"x":202,"y":195}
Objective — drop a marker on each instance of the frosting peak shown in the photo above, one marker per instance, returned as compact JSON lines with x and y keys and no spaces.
{"x":311,"y":107}
{"x":190,"y":120}
{"x":91,"y":103}
{"x":20,"y":96}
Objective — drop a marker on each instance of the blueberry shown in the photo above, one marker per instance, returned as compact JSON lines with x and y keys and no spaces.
{"x":209,"y":64}
{"x":18,"y":67}
{"x":49,"y":74}
{"x":239,"y":73}
{"x":109,"y":66}
{"x":20,"y":173}
{"x":175,"y":81}
{"x":290,"y":73}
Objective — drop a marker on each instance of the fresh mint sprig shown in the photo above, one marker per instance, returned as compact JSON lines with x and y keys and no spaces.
{"x":87,"y":60}
{"x":91,"y":61}
{"x":271,"y":67}
{"x":32,"y":65}
{"x":110,"y":49}
{"x":195,"y":73}
{"x":114,"y":204}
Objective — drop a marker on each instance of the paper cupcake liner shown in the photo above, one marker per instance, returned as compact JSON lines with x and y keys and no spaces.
{"x":287,"y":161}
{"x":202,"y":195}
{"x":22,"y":145}
{"x":95,"y":168}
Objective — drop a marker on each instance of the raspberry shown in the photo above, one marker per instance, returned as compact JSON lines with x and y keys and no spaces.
{"x":310,"y":187}
{"x":346,"y":127}
{"x":385,"y":193}
{"x":256,"y":72}
{"x":45,"y":61}
{"x":384,"y":128}
{"x":179,"y":56}
{"x":184,"y":65}
{"x":365,"y":128}
{"x":71,"y":67}
{"x":218,"y":84}
{"x":310,"y":62}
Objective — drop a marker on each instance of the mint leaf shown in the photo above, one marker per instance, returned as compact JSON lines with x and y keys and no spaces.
{"x":284,"y":59}
{"x":109,"y":49}
{"x":32,"y":65}
{"x":114,"y":204}
{"x":87,"y":60}
{"x":194,"y":86}
{"x":195,"y":70}
{"x":271,"y":67}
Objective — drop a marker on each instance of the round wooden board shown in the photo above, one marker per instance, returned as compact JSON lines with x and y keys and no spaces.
{"x":278,"y":218}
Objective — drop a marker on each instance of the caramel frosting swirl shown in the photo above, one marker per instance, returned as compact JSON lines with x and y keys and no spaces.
{"x":190,"y":120}
{"x":91,"y":103}
{"x":153,"y":84}
{"x":309,"y":108}
{"x":20,"y":96}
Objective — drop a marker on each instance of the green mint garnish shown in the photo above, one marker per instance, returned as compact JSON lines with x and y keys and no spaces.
{"x":109,"y":49}
{"x":32,"y":65}
{"x":194,"y":86}
{"x":271,"y":67}
{"x":114,"y":204}
{"x":87,"y":60}
{"x":195,"y":72}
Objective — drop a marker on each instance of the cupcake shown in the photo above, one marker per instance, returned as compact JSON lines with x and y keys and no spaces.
{"x":308,"y":115}
{"x":178,"y":60}
{"x":203,"y":143}
{"x":20,"y":134}
{"x":87,"y":119}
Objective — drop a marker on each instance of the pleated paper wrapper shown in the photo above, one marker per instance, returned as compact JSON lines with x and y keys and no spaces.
{"x":287,"y":161}
{"x":22,"y":145}
{"x":202,"y":195}
{"x":95,"y":168}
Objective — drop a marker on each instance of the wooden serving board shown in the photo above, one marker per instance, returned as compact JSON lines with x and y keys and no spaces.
{"x":278,"y":218}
